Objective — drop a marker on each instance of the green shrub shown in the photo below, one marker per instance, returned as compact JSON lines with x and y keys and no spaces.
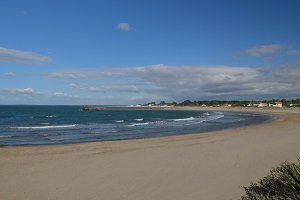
{"x":294,"y":182}
{"x":283,"y":182}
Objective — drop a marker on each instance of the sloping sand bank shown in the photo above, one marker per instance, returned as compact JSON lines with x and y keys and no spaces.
{"x":199,"y":166}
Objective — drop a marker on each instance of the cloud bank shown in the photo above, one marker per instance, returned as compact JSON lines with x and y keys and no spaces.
{"x":17,"y":56}
{"x":194,"y":82}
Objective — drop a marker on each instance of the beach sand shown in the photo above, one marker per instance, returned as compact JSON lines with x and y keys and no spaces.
{"x":206,"y":166}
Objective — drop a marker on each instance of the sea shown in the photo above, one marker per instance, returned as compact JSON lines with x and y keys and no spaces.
{"x":52,"y":125}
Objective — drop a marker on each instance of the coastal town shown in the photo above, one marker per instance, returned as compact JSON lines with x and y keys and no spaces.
{"x":267,"y":104}
{"x":275,"y":103}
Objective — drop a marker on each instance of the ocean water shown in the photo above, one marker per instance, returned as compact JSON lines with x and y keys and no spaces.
{"x":46,"y":125}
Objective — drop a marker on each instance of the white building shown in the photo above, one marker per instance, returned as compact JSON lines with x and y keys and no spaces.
{"x":278,"y":104}
{"x":262,"y":105}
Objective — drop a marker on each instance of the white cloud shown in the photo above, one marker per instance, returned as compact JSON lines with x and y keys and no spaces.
{"x":32,"y":93}
{"x":68,"y":75}
{"x":61,"y":94}
{"x":85,"y":74}
{"x":31,"y":96}
{"x":23,"y":92}
{"x":105,"y":88}
{"x":124,"y":27}
{"x":12,"y":55}
{"x":263,"y":50}
{"x":73,"y":85}
{"x":113,"y":88}
{"x":10,"y":74}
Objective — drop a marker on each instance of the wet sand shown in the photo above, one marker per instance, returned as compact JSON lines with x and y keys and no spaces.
{"x":198,"y":166}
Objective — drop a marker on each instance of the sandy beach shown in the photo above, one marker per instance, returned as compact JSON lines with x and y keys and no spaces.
{"x":212,"y":165}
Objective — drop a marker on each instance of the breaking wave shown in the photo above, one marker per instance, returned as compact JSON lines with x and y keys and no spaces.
{"x":139,"y":120}
{"x":138,"y":124}
{"x":184,"y":119}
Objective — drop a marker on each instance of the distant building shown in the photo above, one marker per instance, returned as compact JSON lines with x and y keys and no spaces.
{"x":278,"y":104}
{"x":260,"y":105}
{"x":166,"y":106}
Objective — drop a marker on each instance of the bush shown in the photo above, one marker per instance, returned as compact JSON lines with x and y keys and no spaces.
{"x":283,"y":182}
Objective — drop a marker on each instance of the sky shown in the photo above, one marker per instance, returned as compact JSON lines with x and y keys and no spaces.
{"x":55,"y":52}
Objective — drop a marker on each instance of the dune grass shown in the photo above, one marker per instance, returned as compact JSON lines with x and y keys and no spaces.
{"x":283,"y":182}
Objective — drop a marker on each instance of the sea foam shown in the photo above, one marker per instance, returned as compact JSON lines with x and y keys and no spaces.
{"x":139,"y":120}
{"x":51,"y":116}
{"x":184,"y":119}
{"x":138,"y":124}
{"x":44,"y":127}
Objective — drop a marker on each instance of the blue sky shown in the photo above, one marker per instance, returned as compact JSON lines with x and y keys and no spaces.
{"x":127,"y":52}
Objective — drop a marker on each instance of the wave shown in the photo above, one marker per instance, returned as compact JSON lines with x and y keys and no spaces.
{"x":218,"y":113}
{"x":138,"y":124}
{"x":184,"y":119}
{"x":192,"y":123}
{"x":44,"y":127}
{"x":214,"y":117}
{"x":51,"y":116}
{"x":139,"y":120}
{"x":120,"y":121}
{"x":160,"y":122}
{"x":206,"y":120}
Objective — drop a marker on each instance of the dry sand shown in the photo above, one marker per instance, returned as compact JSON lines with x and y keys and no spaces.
{"x":199,"y":166}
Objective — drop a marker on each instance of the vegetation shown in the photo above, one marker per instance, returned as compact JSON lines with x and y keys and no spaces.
{"x":283,"y":183}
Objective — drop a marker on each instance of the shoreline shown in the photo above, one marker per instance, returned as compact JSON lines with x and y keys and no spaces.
{"x":174,"y":167}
